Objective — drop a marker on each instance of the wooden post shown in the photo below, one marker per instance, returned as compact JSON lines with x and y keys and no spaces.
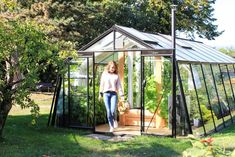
{"x":160,"y":122}
{"x":121,"y":63}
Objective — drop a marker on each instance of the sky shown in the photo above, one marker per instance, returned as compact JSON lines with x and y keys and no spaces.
{"x":224,"y":13}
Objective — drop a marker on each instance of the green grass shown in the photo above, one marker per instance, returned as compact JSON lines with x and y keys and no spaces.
{"x":21,"y":139}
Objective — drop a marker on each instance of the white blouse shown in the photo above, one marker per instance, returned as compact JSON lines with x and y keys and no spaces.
{"x":110,"y":82}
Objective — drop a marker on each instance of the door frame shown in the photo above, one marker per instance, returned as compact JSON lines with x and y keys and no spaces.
{"x":145,"y":54}
{"x":89,"y":103}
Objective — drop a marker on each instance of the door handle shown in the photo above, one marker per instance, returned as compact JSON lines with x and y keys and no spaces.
{"x":144,"y":83}
{"x":90,"y":83}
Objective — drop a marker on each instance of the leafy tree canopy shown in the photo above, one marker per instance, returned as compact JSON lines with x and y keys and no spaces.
{"x":25,"y":49}
{"x":82,"y":21}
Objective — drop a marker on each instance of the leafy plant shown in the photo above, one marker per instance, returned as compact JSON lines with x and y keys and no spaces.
{"x":166,"y":88}
{"x":205,"y":148}
{"x":151,"y":95}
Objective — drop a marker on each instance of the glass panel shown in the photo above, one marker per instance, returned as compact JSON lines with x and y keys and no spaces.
{"x":132,"y":73}
{"x":229,"y":89}
{"x":73,"y":109}
{"x":80,"y":111}
{"x":213,"y":96}
{"x":232,"y":77}
{"x":62,"y":104}
{"x":203,"y":99}
{"x":157,"y":73}
{"x":106,"y":43}
{"x":222,"y":97}
{"x":200,"y":50}
{"x":124,"y":42}
{"x":190,"y":96}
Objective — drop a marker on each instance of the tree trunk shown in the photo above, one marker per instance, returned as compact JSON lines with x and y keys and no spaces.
{"x":4,"y":110}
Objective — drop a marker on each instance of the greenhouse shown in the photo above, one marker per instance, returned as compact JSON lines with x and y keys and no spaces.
{"x":204,"y":94}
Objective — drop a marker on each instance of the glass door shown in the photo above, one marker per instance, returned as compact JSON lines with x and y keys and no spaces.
{"x":78,"y":93}
{"x":155,"y":95}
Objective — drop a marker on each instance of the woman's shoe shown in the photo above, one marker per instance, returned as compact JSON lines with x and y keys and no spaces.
{"x":115,"y":124}
{"x":111,"y":129}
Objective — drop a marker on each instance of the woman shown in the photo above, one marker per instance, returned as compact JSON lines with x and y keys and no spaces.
{"x":110,"y":85}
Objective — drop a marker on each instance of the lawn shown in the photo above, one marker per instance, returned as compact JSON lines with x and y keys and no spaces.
{"x":21,"y":139}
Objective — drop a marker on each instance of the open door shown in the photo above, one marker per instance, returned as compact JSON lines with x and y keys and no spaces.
{"x":155,"y":94}
{"x":129,"y":72}
{"x":80,"y":92}
{"x":74,"y":104}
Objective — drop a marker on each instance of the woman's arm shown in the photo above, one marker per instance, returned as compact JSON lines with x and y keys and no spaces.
{"x":119,"y":88}
{"x":101,"y":84}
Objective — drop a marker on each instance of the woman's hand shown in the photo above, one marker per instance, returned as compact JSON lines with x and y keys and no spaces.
{"x":122,"y":99}
{"x":100,"y":97}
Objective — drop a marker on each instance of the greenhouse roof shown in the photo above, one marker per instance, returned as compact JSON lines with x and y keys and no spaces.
{"x":186,"y":50}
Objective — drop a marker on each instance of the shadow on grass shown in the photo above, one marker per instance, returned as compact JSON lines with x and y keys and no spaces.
{"x":23,"y":139}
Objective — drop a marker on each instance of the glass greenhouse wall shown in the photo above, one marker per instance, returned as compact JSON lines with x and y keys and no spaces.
{"x":208,"y":91}
{"x":205,"y":78}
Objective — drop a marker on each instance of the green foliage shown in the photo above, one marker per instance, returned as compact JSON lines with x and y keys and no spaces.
{"x":205,"y":148}
{"x":228,"y":51}
{"x":25,"y":50}
{"x":166,"y":88}
{"x":24,"y":47}
{"x":151,"y":94}
{"x":82,"y":21}
{"x":206,"y":114}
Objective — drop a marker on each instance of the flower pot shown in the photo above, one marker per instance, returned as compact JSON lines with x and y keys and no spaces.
{"x":197,"y":122}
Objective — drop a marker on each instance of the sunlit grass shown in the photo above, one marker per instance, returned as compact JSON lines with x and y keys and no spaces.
{"x":44,"y":101}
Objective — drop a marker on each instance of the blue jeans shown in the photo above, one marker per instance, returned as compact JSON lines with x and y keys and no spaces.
{"x":110,"y":101}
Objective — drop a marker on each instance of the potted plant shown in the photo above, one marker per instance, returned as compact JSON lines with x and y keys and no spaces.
{"x":197,"y":122}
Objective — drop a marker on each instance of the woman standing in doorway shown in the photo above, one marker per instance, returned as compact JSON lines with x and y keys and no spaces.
{"x":110,"y":85}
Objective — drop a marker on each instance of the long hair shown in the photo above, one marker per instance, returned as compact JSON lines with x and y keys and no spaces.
{"x":109,"y":65}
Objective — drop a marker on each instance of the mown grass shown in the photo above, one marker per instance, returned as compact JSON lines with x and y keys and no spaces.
{"x":21,"y":139}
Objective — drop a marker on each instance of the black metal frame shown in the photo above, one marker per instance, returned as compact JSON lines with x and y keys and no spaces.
{"x":63,"y":102}
{"x":198,"y":102}
{"x":173,"y":92}
{"x":143,"y":84}
{"x":52,"y":115}
{"x":183,"y":99}
{"x":67,"y":122}
{"x":93,"y":89}
{"x":88,"y":90}
{"x":69,"y":97}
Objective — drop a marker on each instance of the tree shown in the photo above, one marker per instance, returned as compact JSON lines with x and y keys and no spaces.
{"x":82,"y":21}
{"x":25,"y":49}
